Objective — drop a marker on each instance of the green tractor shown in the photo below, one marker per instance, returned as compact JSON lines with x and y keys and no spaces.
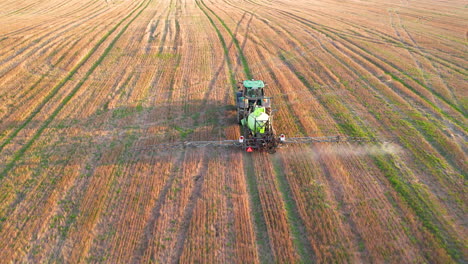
{"x":254,"y":113}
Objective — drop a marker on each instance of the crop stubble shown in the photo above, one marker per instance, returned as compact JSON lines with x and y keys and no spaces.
{"x":81,"y":92}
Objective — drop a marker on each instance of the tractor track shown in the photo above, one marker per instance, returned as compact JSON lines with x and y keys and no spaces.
{"x":294,"y":222}
{"x":314,"y":25}
{"x":57,"y":32}
{"x":20,"y":152}
{"x":116,"y":253}
{"x":38,"y":196}
{"x":424,"y":135}
{"x":149,"y":233}
{"x":89,"y":72}
{"x":425,"y":56}
{"x":42,"y":45}
{"x":402,"y":95}
{"x":351,"y":222}
{"x":165,"y":30}
{"x":388,"y":38}
{"x":31,"y":92}
{"x":188,"y":214}
{"x":50,"y":21}
{"x":78,"y":183}
{"x":421,"y":214}
{"x":263,"y":251}
{"x":423,"y":98}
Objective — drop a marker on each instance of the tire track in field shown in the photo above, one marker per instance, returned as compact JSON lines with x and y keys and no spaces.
{"x":389,"y":101}
{"x":394,"y":14}
{"x":96,"y":218}
{"x":325,"y":169}
{"x":29,"y":93}
{"x":32,"y":27}
{"x":388,"y":38}
{"x":284,"y":184}
{"x":41,"y":105}
{"x":41,"y":42}
{"x":149,"y":229}
{"x":260,"y":229}
{"x":68,"y":30}
{"x":296,"y":222}
{"x":434,"y":113}
{"x":231,"y":71}
{"x":55,"y":33}
{"x":363,"y":125}
{"x":144,"y":243}
{"x":112,"y":43}
{"x":46,"y":123}
{"x":118,"y":223}
{"x":18,"y":11}
{"x":23,"y":97}
{"x":242,"y":57}
{"x":430,"y":207}
{"x":52,"y":8}
{"x":227,"y":59}
{"x":190,"y":208}
{"x":435,"y":109}
{"x":423,"y":215}
{"x":324,"y":162}
{"x":396,"y":78}
{"x":177,"y":43}
{"x":152,"y":28}
{"x":447,"y":182}
{"x":175,"y":49}
{"x":98,"y":10}
{"x":264,"y":251}
{"x":425,"y":55}
{"x":293,"y":223}
{"x":165,"y":30}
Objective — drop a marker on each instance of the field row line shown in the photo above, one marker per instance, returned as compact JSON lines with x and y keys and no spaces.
{"x":293,"y":219}
{"x":20,"y":152}
{"x":410,"y":195}
{"x":263,"y":250}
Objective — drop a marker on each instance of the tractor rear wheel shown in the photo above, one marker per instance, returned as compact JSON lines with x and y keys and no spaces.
{"x":239,"y":116}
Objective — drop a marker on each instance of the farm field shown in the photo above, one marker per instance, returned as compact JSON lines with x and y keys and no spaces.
{"x":86,"y":86}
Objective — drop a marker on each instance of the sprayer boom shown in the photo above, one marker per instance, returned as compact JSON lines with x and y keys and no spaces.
{"x":334,"y":139}
{"x":236,"y":143}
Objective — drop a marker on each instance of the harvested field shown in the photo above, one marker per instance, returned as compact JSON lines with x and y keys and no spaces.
{"x":86,"y":86}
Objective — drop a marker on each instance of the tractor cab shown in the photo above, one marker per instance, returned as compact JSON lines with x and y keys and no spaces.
{"x":251,"y":93}
{"x":253,"y":89}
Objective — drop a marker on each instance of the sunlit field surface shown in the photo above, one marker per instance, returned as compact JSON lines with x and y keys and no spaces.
{"x":87,"y":85}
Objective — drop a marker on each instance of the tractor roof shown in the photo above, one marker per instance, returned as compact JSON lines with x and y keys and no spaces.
{"x":251,"y":84}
